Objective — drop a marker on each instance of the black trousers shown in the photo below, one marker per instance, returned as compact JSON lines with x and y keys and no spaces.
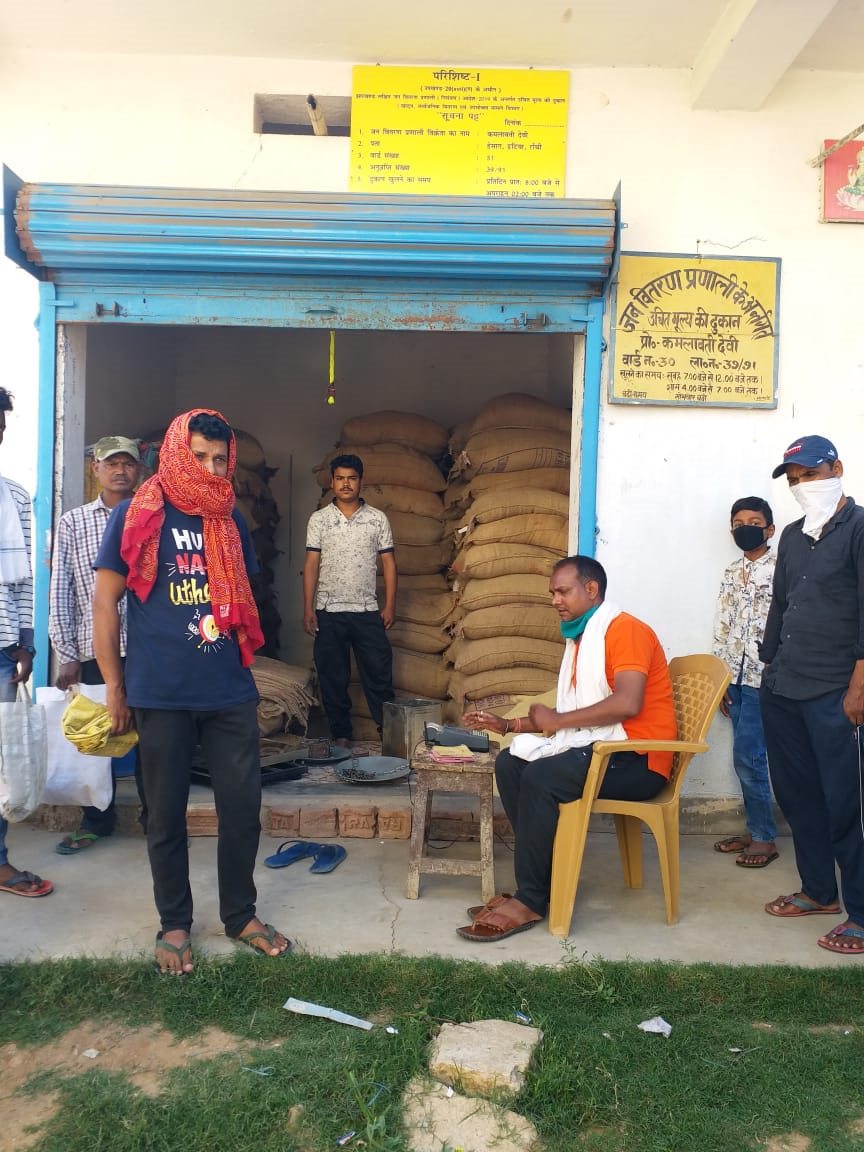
{"x":531,"y":791}
{"x":815,"y":766}
{"x":338,"y":633}
{"x":229,"y":738}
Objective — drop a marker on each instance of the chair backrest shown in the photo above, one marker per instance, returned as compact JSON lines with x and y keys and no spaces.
{"x":698,"y":685}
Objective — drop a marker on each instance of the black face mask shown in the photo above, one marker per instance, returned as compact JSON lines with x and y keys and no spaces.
{"x":748,"y":537}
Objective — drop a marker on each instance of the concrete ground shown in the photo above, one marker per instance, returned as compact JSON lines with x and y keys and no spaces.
{"x":102,"y":906}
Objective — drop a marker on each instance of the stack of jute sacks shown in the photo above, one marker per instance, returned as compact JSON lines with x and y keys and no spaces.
{"x":256,"y":504}
{"x":402,"y":454}
{"x":507,"y":503}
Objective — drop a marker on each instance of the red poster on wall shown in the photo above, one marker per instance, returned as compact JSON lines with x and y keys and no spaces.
{"x":843,"y":183}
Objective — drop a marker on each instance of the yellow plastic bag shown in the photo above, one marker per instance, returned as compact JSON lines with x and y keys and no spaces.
{"x":87,"y":725}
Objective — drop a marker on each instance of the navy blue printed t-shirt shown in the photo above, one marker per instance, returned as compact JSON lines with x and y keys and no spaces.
{"x":176,"y":657}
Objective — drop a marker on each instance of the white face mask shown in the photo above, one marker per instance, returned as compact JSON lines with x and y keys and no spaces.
{"x":818,"y":501}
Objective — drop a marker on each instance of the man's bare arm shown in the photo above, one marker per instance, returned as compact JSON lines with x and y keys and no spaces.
{"x":109,"y":590}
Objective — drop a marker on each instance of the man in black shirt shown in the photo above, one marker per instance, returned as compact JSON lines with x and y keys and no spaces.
{"x":812,"y":694}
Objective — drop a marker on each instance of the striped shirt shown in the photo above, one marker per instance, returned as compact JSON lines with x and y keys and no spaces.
{"x":70,"y":613}
{"x":16,"y":600}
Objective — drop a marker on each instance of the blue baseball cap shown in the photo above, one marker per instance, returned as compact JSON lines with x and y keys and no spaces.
{"x":808,"y":451}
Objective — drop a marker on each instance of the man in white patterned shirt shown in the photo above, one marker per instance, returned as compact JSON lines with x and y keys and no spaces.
{"x":742,"y":609}
{"x":340,"y":606}
{"x":16,"y":633}
{"x":70,"y":621}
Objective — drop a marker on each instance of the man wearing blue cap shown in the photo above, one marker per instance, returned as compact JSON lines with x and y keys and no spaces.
{"x":812,"y":694}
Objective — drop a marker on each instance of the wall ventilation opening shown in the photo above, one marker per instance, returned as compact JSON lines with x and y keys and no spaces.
{"x":302,"y":115}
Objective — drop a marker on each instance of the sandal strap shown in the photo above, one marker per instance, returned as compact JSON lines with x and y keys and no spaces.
{"x":17,"y":879}
{"x":179,"y":950}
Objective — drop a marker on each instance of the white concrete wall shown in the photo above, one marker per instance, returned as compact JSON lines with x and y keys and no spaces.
{"x":692,"y":181}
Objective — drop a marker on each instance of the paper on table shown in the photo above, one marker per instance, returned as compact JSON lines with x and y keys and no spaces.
{"x":306,"y":1008}
{"x":452,"y":754}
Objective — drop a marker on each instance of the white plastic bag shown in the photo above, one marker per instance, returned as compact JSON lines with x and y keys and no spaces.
{"x":72,"y":777}
{"x":23,"y":756}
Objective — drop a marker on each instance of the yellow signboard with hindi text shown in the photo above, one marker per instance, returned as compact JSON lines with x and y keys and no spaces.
{"x":459,"y":131}
{"x":695,"y":330}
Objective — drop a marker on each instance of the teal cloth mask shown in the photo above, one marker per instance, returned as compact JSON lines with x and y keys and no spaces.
{"x":573,"y":629}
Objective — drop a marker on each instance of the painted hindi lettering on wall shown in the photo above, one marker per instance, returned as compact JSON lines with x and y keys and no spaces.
{"x":459,"y":131}
{"x":695,"y":330}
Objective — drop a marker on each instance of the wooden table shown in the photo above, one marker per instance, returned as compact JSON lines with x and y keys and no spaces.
{"x":475,"y":779}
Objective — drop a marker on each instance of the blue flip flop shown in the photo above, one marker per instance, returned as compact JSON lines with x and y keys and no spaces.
{"x":298,"y":850}
{"x":328,"y":857}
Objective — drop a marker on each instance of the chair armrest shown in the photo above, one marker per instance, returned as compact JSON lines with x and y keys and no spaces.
{"x":609,"y":747}
{"x":603,"y":750}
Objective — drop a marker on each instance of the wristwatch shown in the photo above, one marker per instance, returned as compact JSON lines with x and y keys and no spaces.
{"x":28,"y":648}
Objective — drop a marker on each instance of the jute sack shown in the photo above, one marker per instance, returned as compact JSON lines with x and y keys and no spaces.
{"x":517,"y":460}
{"x":249,"y":483}
{"x":418,"y":637}
{"x":250,"y":454}
{"x":459,"y":436}
{"x":420,"y":582}
{"x":496,"y":504}
{"x":521,"y":589}
{"x":494,"y":443}
{"x":516,"y":681}
{"x":418,"y":432}
{"x":543,"y":530}
{"x":409,"y":528}
{"x":528,"y":620}
{"x":519,"y":410}
{"x":389,"y":496}
{"x":483,"y":561}
{"x":549,"y":479}
{"x":471,"y":656}
{"x":422,"y":607}
{"x":417,"y":500}
{"x":390,"y":464}
{"x":413,"y":559}
{"x":420,"y":674}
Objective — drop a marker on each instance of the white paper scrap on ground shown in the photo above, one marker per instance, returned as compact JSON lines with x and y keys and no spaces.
{"x":656,"y":1024}
{"x":305,"y":1008}
{"x":90,"y":1053}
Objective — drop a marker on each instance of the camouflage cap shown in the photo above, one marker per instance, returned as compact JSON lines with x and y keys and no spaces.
{"x":113,"y":445}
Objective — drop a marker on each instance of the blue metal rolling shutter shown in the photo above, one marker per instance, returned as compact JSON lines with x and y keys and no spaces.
{"x":563,"y":245}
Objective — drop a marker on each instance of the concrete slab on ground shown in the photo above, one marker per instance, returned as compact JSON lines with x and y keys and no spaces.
{"x":102,"y":906}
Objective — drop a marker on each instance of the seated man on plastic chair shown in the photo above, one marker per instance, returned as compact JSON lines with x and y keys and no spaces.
{"x":613,"y":685}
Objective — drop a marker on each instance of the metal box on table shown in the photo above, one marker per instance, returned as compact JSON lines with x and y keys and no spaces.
{"x":403,"y":725}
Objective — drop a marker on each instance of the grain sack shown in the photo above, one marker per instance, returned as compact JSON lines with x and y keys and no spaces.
{"x":421,"y":582}
{"x":421,"y":607}
{"x":249,"y":483}
{"x":472,"y":656}
{"x":549,"y":479}
{"x":496,"y":503}
{"x":420,"y":674}
{"x":522,"y":589}
{"x":418,"y":432}
{"x":529,"y":620}
{"x":418,"y":637}
{"x":542,"y":531}
{"x":250,"y":454}
{"x":388,"y":497}
{"x":483,"y":561}
{"x":519,"y":410}
{"x":459,"y":436}
{"x":413,"y":559}
{"x":408,"y":528}
{"x":390,"y":464}
{"x":417,"y":500}
{"x":517,"y":681}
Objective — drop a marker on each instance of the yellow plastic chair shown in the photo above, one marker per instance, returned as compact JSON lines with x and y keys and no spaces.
{"x":698,"y":684}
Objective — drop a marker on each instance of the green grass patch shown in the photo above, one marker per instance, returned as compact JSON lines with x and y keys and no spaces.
{"x":597,"y":1083}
